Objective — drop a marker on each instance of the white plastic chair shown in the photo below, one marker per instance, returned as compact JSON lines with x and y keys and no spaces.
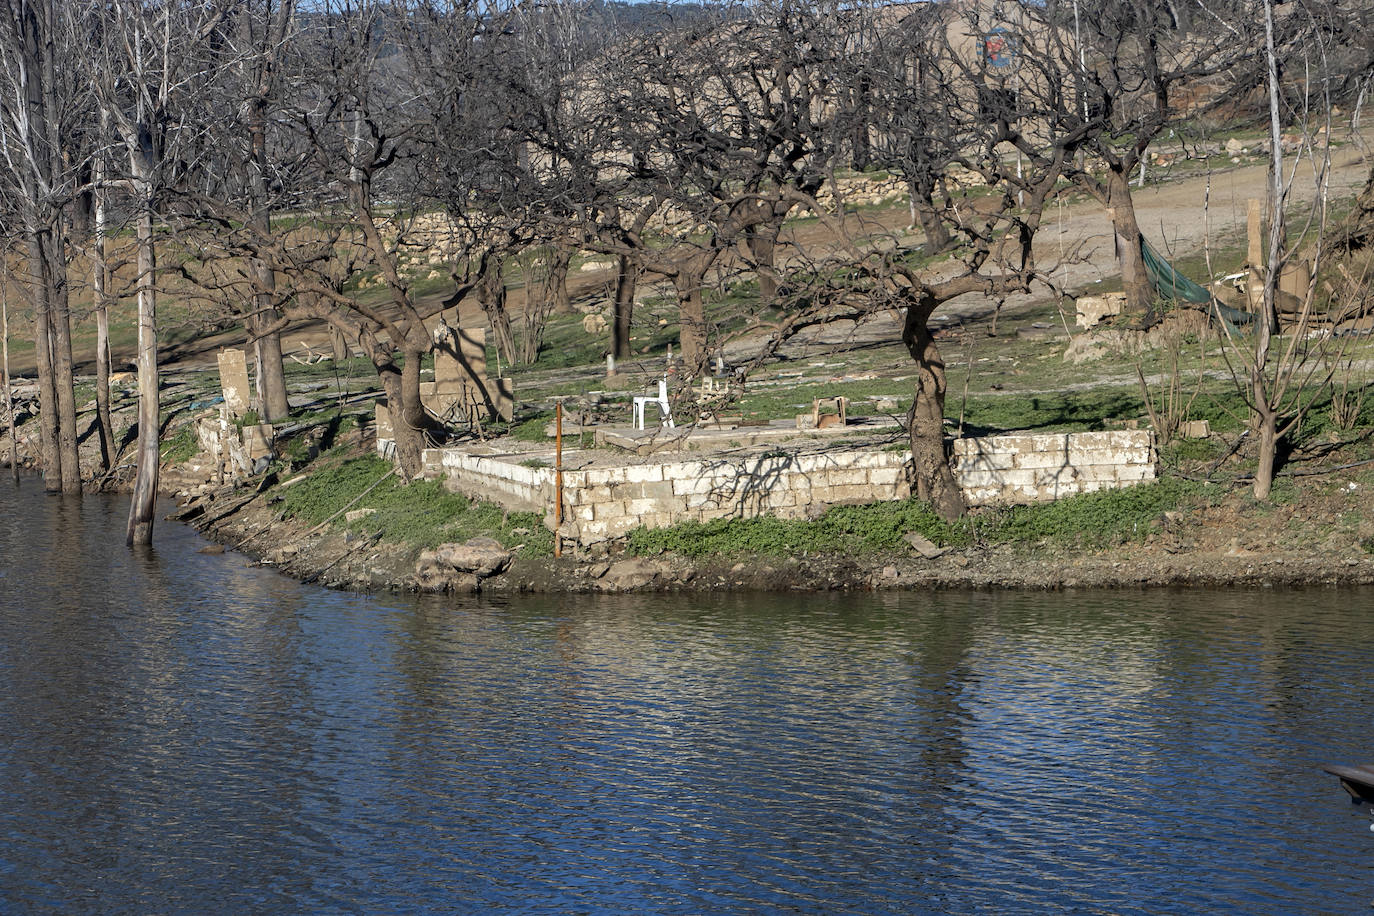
{"x":661,"y":402}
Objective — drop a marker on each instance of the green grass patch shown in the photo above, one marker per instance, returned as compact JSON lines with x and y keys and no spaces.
{"x":1094,"y":519}
{"x":180,"y":446}
{"x":843,"y":529}
{"x":1098,"y":519}
{"x":421,"y":514}
{"x":1047,"y":412}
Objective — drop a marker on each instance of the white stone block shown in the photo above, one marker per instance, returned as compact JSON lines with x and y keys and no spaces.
{"x":642,"y":473}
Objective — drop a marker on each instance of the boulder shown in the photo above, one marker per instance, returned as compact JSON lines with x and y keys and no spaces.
{"x":1093,"y":309}
{"x":483,"y":557}
{"x":628,"y":575}
{"x":460,"y":567}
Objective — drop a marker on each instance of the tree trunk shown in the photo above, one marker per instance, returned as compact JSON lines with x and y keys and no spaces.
{"x":141,"y":515}
{"x":5,"y":376}
{"x":933,"y":226}
{"x":1135,"y":282}
{"x":935,"y":483}
{"x":692,"y":319}
{"x":491,"y":295}
{"x":560,"y":259}
{"x":63,"y":380}
{"x":100,"y":291}
{"x":762,"y":241}
{"x":271,"y":375}
{"x":42,"y":350}
{"x":409,"y":437}
{"x":622,"y":319}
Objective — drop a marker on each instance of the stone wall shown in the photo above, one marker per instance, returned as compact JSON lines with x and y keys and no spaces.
{"x":607,"y":502}
{"x":1005,"y":470}
{"x":499,"y":479}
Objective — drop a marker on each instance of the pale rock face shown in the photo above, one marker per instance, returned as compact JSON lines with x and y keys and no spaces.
{"x":1092,"y":310}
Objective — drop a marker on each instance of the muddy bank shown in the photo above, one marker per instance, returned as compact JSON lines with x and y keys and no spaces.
{"x":1221,"y":547}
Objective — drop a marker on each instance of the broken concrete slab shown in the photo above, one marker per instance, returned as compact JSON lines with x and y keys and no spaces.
{"x":233,"y":379}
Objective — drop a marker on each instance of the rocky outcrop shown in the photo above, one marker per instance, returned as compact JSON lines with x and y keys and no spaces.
{"x":460,"y":567}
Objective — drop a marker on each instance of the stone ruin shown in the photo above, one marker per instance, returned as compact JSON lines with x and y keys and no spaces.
{"x":235,"y":449}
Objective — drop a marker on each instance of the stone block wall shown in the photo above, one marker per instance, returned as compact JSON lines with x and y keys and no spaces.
{"x":1007,"y":470}
{"x":501,"y":481}
{"x":608,"y":502}
{"x":602,"y":503}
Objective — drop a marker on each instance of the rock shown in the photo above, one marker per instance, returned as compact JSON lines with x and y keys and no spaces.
{"x":482,"y":557}
{"x":356,"y":514}
{"x":212,"y":548}
{"x":1194,"y":429}
{"x":627,"y":575}
{"x":594,"y":324}
{"x":1092,"y":309}
{"x":923,"y":546}
{"x":1234,"y":147}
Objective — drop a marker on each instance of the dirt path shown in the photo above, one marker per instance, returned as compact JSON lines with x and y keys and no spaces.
{"x":1180,"y":216}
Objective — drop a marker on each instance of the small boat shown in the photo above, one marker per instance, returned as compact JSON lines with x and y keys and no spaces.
{"x":1357,"y":780}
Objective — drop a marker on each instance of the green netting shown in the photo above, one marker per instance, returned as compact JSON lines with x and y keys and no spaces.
{"x":1168,"y":282}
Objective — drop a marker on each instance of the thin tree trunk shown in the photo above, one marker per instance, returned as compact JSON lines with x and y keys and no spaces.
{"x":141,"y":515}
{"x":560,"y":259}
{"x":935,"y":483}
{"x":491,"y":295}
{"x":1267,"y":423}
{"x":9,"y":394}
{"x":1265,"y":416}
{"x":623,"y":308}
{"x":100,"y":286}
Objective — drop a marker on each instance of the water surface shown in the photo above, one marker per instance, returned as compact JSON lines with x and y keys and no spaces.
{"x":184,"y":733}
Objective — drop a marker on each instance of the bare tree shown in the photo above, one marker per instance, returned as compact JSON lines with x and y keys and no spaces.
{"x":1102,"y":80}
{"x":37,"y":102}
{"x":150,"y":64}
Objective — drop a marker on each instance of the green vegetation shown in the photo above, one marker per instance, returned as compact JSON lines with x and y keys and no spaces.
{"x":1088,"y":520}
{"x":179,"y":447}
{"x":422,"y":514}
{"x":849,"y":529}
{"x":1095,"y":519}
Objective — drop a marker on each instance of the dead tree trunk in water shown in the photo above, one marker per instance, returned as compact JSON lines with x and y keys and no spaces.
{"x":141,"y":515}
{"x":100,"y":292}
{"x":49,"y":450}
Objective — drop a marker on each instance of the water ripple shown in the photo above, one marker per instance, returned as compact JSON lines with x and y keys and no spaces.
{"x":187,"y":734}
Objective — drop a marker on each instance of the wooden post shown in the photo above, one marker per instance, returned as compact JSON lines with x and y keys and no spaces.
{"x":558,"y":478}
{"x":1254,"y":258}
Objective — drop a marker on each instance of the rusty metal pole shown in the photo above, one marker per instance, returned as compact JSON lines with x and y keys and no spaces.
{"x":558,"y":478}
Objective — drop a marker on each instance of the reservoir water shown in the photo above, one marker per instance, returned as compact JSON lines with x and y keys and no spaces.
{"x":185,"y":733}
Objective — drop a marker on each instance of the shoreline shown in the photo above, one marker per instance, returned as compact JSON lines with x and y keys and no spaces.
{"x":340,"y":560}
